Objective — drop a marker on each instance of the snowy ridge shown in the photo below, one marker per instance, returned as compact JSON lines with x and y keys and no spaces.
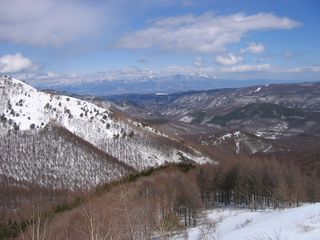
{"x":24,"y":108}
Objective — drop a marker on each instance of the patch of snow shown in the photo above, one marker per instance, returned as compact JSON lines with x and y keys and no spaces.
{"x":259,"y":134}
{"x":237,"y":147}
{"x":186,"y":119}
{"x":237,"y":134}
{"x":225,"y":136}
{"x":257,"y":90}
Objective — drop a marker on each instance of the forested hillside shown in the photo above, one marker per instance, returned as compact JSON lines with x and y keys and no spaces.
{"x":165,"y":201}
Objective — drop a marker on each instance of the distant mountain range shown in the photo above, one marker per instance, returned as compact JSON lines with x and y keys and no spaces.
{"x":102,"y":86}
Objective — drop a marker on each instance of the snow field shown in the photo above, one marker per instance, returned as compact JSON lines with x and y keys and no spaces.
{"x":301,"y":223}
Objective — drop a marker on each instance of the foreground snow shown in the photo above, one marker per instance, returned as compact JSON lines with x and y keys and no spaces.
{"x":288,"y":224}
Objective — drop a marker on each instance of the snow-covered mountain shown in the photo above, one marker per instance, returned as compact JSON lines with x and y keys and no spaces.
{"x":26,"y":114}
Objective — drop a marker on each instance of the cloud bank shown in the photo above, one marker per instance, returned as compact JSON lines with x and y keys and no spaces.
{"x":206,"y":33}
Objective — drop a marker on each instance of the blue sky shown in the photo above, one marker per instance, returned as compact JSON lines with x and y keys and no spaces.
{"x":51,"y":40}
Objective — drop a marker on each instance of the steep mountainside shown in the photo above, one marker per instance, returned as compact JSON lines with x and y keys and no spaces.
{"x":36,"y":150}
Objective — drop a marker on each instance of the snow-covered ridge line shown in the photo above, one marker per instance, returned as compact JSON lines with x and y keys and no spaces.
{"x":27,"y":106}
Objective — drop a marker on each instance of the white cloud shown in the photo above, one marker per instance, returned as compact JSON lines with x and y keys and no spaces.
{"x":206,"y":33}
{"x":228,"y":59}
{"x":198,"y":62}
{"x":15,"y":63}
{"x":47,"y":22}
{"x":247,"y":68}
{"x":254,"y":48}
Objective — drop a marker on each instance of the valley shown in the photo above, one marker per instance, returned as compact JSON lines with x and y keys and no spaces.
{"x":260,"y":121}
{"x":61,"y":151}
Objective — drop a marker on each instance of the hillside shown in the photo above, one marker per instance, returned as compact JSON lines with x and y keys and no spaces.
{"x":26,"y":117}
{"x":55,"y":158}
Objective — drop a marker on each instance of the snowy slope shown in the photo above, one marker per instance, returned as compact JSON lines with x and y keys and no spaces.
{"x":24,"y":107}
{"x":302,"y":223}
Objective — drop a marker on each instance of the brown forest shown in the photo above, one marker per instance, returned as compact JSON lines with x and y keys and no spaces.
{"x":159,"y":202}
